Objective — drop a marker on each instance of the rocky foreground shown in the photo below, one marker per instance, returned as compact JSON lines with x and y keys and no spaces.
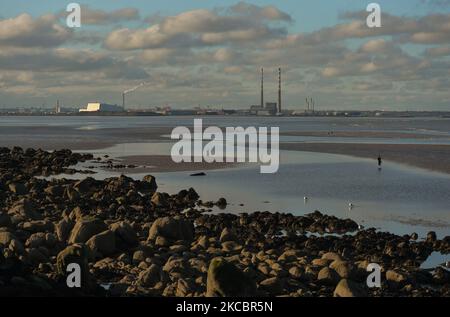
{"x":131,"y":240}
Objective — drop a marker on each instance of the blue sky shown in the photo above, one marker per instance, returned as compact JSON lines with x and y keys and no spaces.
{"x":209,"y":53}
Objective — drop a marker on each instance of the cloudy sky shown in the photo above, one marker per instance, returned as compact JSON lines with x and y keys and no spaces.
{"x":209,"y":53}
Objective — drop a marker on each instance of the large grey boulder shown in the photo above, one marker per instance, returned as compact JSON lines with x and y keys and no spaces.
{"x":226,"y":280}
{"x":85,"y":228}
{"x":172,"y":228}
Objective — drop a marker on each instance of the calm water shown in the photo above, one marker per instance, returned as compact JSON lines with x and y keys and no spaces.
{"x":399,"y":199}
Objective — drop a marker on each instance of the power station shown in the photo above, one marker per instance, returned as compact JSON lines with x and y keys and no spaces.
{"x":268,"y":108}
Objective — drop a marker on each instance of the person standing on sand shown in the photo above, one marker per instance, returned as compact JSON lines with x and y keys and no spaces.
{"x":379,"y":161}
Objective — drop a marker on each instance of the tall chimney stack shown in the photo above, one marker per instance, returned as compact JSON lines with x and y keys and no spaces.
{"x":262,"y":87}
{"x":123,"y":100}
{"x":279,"y":90}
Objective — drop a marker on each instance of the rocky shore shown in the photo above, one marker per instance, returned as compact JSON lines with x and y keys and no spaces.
{"x":131,"y":240}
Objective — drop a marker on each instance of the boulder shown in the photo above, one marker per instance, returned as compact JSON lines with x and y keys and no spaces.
{"x":160,"y":199}
{"x":348,"y":288}
{"x":85,"y":186}
{"x":76,"y":253}
{"x":227,"y":235}
{"x":18,"y":188}
{"x":6,"y":237}
{"x":272,"y":285}
{"x":431,"y":236}
{"x":151,"y":276}
{"x":84,"y":229}
{"x":185,"y":287}
{"x":36,"y":240}
{"x":148,"y":184}
{"x":25,"y":208}
{"x":332,"y":256}
{"x":226,"y":280}
{"x":36,"y":257}
{"x":343,"y":268}
{"x":38,"y":226}
{"x":103,"y":243}
{"x":395,"y":277}
{"x":5,"y":220}
{"x":56,"y":191}
{"x":328,"y":276}
{"x":125,"y":235}
{"x":63,"y":228}
{"x":172,"y":228}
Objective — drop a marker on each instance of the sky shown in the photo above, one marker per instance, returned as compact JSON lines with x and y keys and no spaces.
{"x":209,"y":53}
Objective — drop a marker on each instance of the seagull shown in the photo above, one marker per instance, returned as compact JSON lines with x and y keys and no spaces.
{"x":305,"y":198}
{"x":350,"y":205}
{"x":360,"y":227}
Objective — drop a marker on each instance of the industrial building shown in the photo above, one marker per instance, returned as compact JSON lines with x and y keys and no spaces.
{"x":101,"y":107}
{"x":269,"y":108}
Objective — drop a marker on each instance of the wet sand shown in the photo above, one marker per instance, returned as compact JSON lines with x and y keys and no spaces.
{"x":365,"y":134}
{"x":431,"y":157}
{"x":164,"y":163}
{"x":59,"y":137}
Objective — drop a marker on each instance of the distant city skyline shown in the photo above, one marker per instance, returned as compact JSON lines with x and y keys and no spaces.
{"x":209,"y":53}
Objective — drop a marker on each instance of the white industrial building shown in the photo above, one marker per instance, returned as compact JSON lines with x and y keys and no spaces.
{"x":101,"y":107}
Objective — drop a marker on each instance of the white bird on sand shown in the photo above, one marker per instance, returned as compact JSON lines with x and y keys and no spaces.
{"x":350,"y":205}
{"x":305,"y":198}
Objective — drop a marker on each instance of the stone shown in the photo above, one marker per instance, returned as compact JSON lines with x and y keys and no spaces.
{"x":226,"y":280}
{"x":396,"y":277}
{"x":297,"y":272}
{"x":174,"y":229}
{"x":125,"y":235}
{"x":35,"y":240}
{"x":321,"y":262}
{"x":328,"y":276}
{"x":177,"y":267}
{"x":185,"y":287}
{"x":231,"y":246}
{"x":18,"y":188}
{"x":343,"y":268}
{"x":431,"y":236}
{"x":162,"y":242}
{"x":139,"y":256}
{"x":6,"y":237}
{"x":38,"y":226}
{"x":5,"y":219}
{"x":348,"y":288}
{"x":288,"y":256}
{"x":332,"y":256}
{"x":148,"y":184}
{"x":25,"y":208}
{"x":57,"y":191}
{"x":35,"y":257}
{"x":16,"y":246}
{"x":272,"y":285}
{"x":222,"y":203}
{"x":150,"y":277}
{"x":85,"y":186}
{"x":159,"y":199}
{"x":227,"y":235}
{"x":103,"y":243}
{"x":76,"y":253}
{"x":63,"y":228}
{"x":85,"y":228}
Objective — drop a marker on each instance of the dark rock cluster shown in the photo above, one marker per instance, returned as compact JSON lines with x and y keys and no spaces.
{"x":131,"y":240}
